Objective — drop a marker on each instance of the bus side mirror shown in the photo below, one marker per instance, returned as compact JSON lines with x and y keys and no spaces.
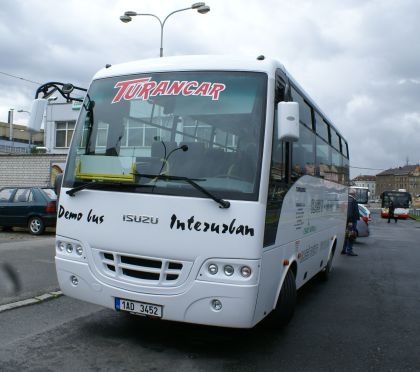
{"x":37,"y":114}
{"x":288,"y":121}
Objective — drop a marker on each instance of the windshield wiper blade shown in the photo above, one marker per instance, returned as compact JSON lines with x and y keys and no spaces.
{"x":100,"y":184}
{"x":192,"y":181}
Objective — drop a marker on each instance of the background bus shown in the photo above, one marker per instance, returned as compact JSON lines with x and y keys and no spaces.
{"x":362,"y":194}
{"x":401,"y":200}
{"x":199,"y":189}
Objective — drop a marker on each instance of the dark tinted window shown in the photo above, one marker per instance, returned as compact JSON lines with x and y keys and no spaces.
{"x":303,"y":158}
{"x":304,"y":109}
{"x":321,"y":127}
{"x":5,"y":194}
{"x":335,"y":140}
{"x":22,"y":195}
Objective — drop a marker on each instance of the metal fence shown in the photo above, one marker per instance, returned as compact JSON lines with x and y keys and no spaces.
{"x":415,"y":211}
{"x":14,"y":150}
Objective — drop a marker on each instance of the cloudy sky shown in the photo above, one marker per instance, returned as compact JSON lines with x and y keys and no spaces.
{"x":358,"y":59}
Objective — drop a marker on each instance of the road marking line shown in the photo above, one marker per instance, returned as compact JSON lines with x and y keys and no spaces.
{"x":31,"y":301}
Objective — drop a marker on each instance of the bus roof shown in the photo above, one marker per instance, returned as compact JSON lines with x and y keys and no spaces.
{"x":193,"y":63}
{"x":207,"y":63}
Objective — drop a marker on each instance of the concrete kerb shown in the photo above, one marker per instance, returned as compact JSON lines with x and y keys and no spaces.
{"x":31,"y":301}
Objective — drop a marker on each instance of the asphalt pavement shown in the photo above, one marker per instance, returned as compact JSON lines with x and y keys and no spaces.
{"x":365,"y":318}
{"x":27,"y":266}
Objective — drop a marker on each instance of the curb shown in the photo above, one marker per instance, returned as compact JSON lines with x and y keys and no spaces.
{"x":31,"y":301}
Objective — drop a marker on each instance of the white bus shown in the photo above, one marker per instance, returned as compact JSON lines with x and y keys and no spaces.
{"x":199,"y":189}
{"x":362,"y":194}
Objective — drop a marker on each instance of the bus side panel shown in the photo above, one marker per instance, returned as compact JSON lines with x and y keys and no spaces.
{"x":312,"y":219}
{"x":272,"y":274}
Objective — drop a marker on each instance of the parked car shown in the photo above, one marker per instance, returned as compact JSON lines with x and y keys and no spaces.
{"x":362,"y":227}
{"x":31,"y":207}
{"x":365,"y":212}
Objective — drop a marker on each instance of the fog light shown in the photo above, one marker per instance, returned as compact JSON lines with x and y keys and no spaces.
{"x":246,"y":271}
{"x":61,"y":246}
{"x":74,"y":280}
{"x":213,"y":269}
{"x":69,"y":248}
{"x":216,"y":305}
{"x":79,"y":250}
{"x":229,"y":270}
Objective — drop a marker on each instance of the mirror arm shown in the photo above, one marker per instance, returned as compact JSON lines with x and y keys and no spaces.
{"x":49,"y":88}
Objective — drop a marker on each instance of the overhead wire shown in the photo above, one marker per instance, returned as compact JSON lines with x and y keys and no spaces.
{"x":20,"y":78}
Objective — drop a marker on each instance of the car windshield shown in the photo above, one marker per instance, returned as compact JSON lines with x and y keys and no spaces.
{"x":204,"y":126}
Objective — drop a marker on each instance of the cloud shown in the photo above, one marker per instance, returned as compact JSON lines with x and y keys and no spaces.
{"x":357,"y":58}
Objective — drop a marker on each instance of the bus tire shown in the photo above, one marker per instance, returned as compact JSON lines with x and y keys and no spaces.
{"x":326,"y":271}
{"x":286,"y":303}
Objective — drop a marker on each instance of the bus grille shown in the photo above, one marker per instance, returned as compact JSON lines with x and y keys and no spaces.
{"x":143,"y":270}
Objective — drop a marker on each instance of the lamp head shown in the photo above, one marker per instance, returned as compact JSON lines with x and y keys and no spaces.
{"x":130,"y":13}
{"x":197,"y":5}
{"x":125,"y":19}
{"x":203,"y":9}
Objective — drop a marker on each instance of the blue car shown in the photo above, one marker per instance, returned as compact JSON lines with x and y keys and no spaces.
{"x":31,"y":207}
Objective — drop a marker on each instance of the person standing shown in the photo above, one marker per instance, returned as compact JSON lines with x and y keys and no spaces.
{"x":391,"y":212}
{"x":352,"y":218}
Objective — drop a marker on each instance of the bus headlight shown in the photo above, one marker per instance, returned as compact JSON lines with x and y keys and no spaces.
{"x":61,"y":246}
{"x":69,"y":248}
{"x":79,"y":249}
{"x":229,"y":270}
{"x":246,"y":271}
{"x":213,"y":269}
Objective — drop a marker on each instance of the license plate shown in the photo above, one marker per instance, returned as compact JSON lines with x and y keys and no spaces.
{"x":141,"y":308}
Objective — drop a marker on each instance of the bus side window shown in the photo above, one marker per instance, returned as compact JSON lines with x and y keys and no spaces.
{"x":303,"y":155}
{"x":277,"y":189}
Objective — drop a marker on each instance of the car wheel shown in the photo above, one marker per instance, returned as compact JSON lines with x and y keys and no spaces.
{"x":36,"y":225}
{"x":285,"y":306}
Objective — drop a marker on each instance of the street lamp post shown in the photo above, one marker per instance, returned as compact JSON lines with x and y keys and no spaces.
{"x":29,"y":131}
{"x":201,"y":8}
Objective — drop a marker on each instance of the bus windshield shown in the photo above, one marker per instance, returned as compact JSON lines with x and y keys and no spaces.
{"x":362,"y":194}
{"x":400,"y":199}
{"x":204,"y":126}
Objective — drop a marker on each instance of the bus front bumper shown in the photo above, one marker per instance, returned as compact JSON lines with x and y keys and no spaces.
{"x":192,"y":306}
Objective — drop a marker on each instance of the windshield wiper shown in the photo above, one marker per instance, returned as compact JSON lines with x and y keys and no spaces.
{"x":223,"y":203}
{"x":100,"y":184}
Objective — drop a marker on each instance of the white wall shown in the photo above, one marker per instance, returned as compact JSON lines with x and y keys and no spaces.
{"x":60,"y":111}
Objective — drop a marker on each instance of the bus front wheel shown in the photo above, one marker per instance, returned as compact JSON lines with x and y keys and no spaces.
{"x":286,"y":302}
{"x":326,"y":271}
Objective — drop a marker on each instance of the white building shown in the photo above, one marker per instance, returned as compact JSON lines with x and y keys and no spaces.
{"x":366,"y":181}
{"x":60,"y":120}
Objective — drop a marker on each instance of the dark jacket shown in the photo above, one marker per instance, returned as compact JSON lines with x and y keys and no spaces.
{"x":391,"y":208}
{"x":352,"y":210}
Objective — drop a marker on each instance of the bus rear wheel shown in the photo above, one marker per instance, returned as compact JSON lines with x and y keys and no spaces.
{"x":286,"y":303}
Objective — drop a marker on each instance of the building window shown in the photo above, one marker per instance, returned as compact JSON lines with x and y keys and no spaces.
{"x":63,"y":133}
